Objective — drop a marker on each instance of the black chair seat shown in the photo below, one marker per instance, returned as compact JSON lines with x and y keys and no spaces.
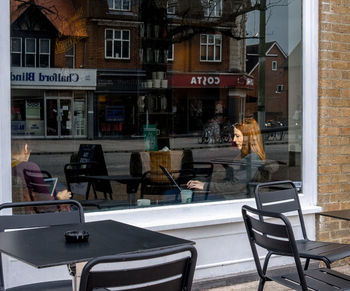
{"x":319,"y":279}
{"x":64,"y":285}
{"x":323,"y":251}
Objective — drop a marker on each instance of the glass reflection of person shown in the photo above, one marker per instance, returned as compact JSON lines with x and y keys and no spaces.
{"x":247,"y":138}
{"x":20,"y":162}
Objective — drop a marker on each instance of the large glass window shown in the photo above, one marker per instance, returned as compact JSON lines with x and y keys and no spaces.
{"x":222,"y":115}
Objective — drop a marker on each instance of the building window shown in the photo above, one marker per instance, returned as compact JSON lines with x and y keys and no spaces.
{"x":123,"y":5}
{"x":279,"y":88}
{"x":274,"y":65}
{"x":117,"y":44}
{"x":171,"y":53}
{"x":212,"y":8}
{"x":44,"y":53}
{"x":70,"y":56}
{"x":210,"y":47}
{"x":30,"y":52}
{"x":171,"y":7}
{"x":16,"y":52}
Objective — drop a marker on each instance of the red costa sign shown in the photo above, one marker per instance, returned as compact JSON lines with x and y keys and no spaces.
{"x":210,"y":81}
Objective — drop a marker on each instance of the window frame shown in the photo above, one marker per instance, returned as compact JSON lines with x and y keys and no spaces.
{"x":20,"y":52}
{"x":208,"y":10}
{"x":310,"y":29}
{"x":70,"y":56}
{"x":121,"y":41}
{"x":207,"y":45}
{"x":274,"y":65}
{"x":122,"y":5}
{"x":46,"y":54}
{"x":25,"y":52}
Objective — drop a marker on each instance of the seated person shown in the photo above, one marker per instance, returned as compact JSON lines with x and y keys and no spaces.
{"x":20,"y":162}
{"x":248,"y":139}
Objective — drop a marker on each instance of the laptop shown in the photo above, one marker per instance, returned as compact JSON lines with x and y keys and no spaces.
{"x":51,"y":184}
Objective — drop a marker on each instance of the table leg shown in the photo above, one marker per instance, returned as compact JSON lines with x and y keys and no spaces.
{"x":75,"y":271}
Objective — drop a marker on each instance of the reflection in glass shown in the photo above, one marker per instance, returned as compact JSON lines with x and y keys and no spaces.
{"x":173,"y":76}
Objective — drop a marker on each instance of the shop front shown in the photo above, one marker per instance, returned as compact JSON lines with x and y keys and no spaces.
{"x":200,"y":97}
{"x":51,"y":103}
{"x":116,"y":96}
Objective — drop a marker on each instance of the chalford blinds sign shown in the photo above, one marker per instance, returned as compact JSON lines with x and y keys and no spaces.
{"x":53,"y":78}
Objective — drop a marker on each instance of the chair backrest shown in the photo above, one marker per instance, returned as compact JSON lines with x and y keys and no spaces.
{"x":276,"y":236}
{"x":174,"y":274}
{"x":281,"y":197}
{"x":35,"y":182}
{"x":75,"y":172}
{"x":18,"y":221}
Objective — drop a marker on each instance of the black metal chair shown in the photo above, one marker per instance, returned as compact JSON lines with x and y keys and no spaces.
{"x":278,"y":237}
{"x":282,"y":197}
{"x":18,"y":221}
{"x":174,"y":274}
{"x":35,"y":182}
{"x":75,"y":174}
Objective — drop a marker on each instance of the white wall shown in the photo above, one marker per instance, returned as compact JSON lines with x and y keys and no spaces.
{"x":216,"y":227}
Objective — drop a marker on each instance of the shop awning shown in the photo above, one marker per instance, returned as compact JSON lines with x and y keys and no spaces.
{"x":210,"y":80}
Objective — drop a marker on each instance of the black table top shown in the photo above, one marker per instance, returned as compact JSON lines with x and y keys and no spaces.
{"x":47,"y":247}
{"x":340,"y":214}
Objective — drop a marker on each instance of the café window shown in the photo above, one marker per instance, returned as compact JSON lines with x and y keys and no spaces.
{"x":198,"y":115}
{"x":212,"y":8}
{"x":16,"y":51}
{"x":117,"y":44}
{"x":123,"y":5}
{"x":210,"y":47}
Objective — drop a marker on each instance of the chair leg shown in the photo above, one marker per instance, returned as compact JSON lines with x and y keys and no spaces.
{"x":307,"y":262}
{"x":261,"y":284}
{"x":266,"y":262}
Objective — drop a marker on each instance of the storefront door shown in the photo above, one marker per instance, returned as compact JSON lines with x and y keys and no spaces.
{"x":59,"y":117}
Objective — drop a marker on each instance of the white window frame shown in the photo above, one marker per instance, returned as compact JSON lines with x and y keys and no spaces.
{"x":122,"y":5}
{"x":17,"y":52}
{"x":30,"y":53}
{"x":66,"y":55}
{"x":207,"y":45}
{"x":211,"y":10}
{"x":46,"y":54}
{"x":274,"y":65}
{"x":279,"y":89}
{"x":310,"y":128}
{"x":113,"y":41}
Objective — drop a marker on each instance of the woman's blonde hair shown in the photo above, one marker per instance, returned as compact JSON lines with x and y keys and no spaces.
{"x":252,"y":139}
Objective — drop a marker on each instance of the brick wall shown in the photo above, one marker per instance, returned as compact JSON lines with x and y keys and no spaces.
{"x":334,"y":117}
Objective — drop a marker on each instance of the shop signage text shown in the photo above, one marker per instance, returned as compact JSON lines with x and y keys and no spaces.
{"x":203,"y":80}
{"x":32,"y":76}
{"x":52,"y":77}
{"x":210,"y":81}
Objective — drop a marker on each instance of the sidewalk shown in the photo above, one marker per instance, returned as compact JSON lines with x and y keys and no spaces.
{"x":252,"y":286}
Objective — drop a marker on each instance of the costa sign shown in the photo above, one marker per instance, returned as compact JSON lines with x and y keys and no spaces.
{"x":210,"y":81}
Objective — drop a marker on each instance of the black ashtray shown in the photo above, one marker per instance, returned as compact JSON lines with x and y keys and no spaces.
{"x":76,"y":235}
